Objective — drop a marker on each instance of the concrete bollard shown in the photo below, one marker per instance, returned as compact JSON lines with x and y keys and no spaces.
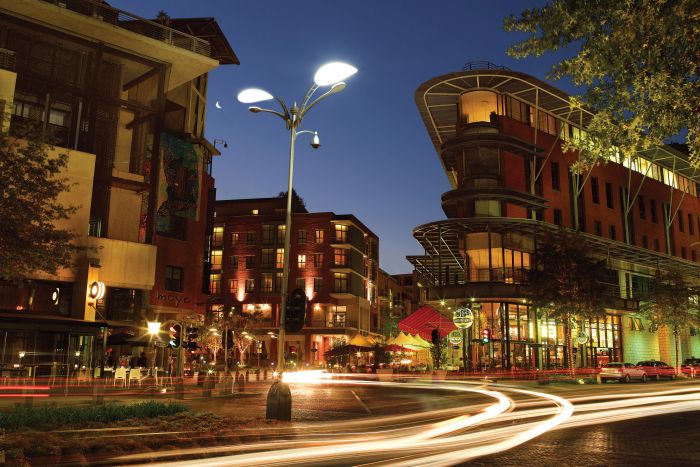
{"x":265,"y":374}
{"x":179,"y":388}
{"x":98,"y":391}
{"x":207,"y":385}
{"x":257,"y":375}
{"x":279,"y":402}
{"x":247,"y":376}
{"x":240,"y":383}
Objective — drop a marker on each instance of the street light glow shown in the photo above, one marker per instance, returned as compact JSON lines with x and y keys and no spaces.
{"x":334,"y":72}
{"x":252,"y":95}
{"x":153,"y":327}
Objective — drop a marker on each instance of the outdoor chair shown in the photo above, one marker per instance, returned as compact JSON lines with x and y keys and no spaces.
{"x":120,"y":374}
{"x":135,"y":375}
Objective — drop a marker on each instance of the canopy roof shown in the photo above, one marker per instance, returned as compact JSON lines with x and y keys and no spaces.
{"x":362,"y":341}
{"x":424,"y":320}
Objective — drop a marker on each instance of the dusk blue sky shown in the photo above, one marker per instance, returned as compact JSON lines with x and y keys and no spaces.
{"x":376,"y":160}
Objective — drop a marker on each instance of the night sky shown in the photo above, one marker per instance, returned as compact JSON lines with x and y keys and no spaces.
{"x":376,"y":160}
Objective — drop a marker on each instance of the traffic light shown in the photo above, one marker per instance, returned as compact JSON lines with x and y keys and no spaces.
{"x":191,"y":342}
{"x":175,"y":336}
{"x":486,"y":336}
{"x":435,"y":337}
{"x":295,"y":313}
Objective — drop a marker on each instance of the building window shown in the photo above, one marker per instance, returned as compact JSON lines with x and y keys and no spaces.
{"x":598,"y":228}
{"x":341,"y":233}
{"x":249,"y":262}
{"x":340,"y":256}
{"x":268,"y":233}
{"x":234,"y":238}
{"x":173,"y":278}
{"x":233,"y":263}
{"x":645,"y":241}
{"x":301,"y":261}
{"x":318,"y":236}
{"x":233,"y":286}
{"x":318,"y":260}
{"x":683,"y":252}
{"x":216,"y":256}
{"x":249,"y":285}
{"x":278,"y":281}
{"x":609,"y":195}
{"x":594,"y":190}
{"x":636,"y":324}
{"x":340,"y":284}
{"x":217,"y":237}
{"x":656,"y":245}
{"x":279,"y":258}
{"x":301,"y":237}
{"x":652,"y":208}
{"x":680,"y":221}
{"x":557,"y":217}
{"x":281,"y":229}
{"x":266,"y":283}
{"x":318,"y":284}
{"x":214,"y":283}
{"x":301,"y":283}
{"x":177,"y":228}
{"x":691,"y":226}
{"x":611,"y":230}
{"x":268,"y":258}
{"x":642,"y":208}
{"x":555,"y":176}
{"x":250,"y":238}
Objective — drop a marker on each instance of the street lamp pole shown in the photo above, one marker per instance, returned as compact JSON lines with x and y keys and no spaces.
{"x":331,"y":74}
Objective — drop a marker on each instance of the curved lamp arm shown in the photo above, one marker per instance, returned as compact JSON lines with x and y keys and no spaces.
{"x":308,"y":95}
{"x":338,"y":87}
{"x":256,"y":109}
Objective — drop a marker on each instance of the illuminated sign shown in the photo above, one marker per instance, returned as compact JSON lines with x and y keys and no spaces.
{"x":582,"y":338}
{"x":463,"y":317}
{"x":97,"y":290}
{"x":455,"y":336}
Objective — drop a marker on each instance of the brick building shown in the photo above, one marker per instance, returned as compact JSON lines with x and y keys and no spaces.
{"x":333,"y":258}
{"x":499,"y":135}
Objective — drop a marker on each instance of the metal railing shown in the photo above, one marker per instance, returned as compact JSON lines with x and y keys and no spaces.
{"x":135,"y":24}
{"x":7,"y":59}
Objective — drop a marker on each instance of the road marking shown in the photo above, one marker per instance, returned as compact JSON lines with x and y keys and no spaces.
{"x":361,"y":403}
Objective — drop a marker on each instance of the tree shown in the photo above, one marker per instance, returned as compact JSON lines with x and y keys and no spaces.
{"x":30,"y":183}
{"x":671,"y":302}
{"x":638,"y":61}
{"x":565,"y":283}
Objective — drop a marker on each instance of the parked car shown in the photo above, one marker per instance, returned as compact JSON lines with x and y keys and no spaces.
{"x":657,"y":370}
{"x":691,"y":367}
{"x":622,"y":372}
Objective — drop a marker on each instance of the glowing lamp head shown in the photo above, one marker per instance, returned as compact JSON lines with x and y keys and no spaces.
{"x":253,"y":95}
{"x":97,"y":290}
{"x":315,"y":141}
{"x":334,"y":72}
{"x":153,"y":327}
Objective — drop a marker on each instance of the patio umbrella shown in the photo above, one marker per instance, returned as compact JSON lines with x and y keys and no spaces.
{"x":361,"y":342}
{"x":422,"y":341}
{"x":406,"y":340}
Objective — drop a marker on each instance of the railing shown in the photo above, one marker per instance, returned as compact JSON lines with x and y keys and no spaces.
{"x":135,"y":24}
{"x":7,"y":59}
{"x":322,"y":323}
{"x":483,"y":65}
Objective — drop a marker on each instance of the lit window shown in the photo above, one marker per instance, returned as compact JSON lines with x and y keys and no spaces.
{"x":214,"y":283}
{"x":301,"y":261}
{"x":217,"y":238}
{"x":234,"y":238}
{"x":318,"y":236}
{"x":281,"y":230}
{"x":216,"y":256}
{"x":279,"y":259}
{"x":340,"y":256}
{"x":341,"y":233}
{"x":249,"y":285}
{"x":233,"y":286}
{"x":266,"y":283}
{"x":340,"y":284}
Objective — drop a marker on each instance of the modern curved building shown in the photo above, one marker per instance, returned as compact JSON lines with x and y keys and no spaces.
{"x":499,"y":136}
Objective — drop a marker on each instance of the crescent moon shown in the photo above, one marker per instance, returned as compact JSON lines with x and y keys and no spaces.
{"x":218,"y":106}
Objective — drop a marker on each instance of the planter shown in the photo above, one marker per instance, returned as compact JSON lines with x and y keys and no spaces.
{"x":439,"y":374}
{"x":385,"y":374}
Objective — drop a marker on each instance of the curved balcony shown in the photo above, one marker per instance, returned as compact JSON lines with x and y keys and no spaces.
{"x":458,"y":203}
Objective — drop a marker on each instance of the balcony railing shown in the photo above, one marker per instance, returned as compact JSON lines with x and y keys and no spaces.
{"x":136,"y":24}
{"x":322,"y":323}
{"x":7,"y":59}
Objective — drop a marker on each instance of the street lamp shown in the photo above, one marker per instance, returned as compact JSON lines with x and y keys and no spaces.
{"x":153,"y":330}
{"x":330,"y":74}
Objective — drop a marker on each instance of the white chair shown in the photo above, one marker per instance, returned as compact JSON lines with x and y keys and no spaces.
{"x":135,"y":375}
{"x":120,"y":374}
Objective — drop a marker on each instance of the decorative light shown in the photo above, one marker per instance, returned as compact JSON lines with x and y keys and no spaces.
{"x":251,"y":95}
{"x":153,"y":327}
{"x":21,"y":354}
{"x":332,"y":73}
{"x":97,"y":290}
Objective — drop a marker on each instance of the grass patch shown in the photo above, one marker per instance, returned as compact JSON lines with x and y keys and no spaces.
{"x":47,"y":418}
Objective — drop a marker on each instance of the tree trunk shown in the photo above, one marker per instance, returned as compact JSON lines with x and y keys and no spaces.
{"x":675,"y":338}
{"x":569,"y":349}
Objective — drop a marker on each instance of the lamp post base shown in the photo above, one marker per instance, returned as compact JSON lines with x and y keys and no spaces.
{"x":279,"y":402}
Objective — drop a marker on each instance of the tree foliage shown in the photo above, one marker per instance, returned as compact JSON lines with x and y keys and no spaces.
{"x":638,"y":61}
{"x":30,"y":183}
{"x":566,"y":282}
{"x":671,"y":302}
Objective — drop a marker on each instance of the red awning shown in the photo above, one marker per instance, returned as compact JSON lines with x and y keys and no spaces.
{"x":424,"y":320}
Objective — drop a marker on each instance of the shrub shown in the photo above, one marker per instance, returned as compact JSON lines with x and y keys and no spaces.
{"x":53,"y":417}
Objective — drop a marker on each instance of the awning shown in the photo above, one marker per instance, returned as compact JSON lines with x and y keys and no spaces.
{"x":424,"y":320}
{"x":362,"y":341}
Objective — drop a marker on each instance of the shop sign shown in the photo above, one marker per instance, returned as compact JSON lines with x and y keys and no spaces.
{"x":172,"y":298}
{"x":463,"y":317}
{"x":582,"y":338}
{"x":455,"y":336}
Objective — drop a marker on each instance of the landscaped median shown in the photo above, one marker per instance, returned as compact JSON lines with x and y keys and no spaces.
{"x":81,"y":435}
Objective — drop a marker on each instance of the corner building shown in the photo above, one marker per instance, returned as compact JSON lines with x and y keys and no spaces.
{"x":125,"y":98}
{"x":334,"y":258}
{"x":499,"y":136}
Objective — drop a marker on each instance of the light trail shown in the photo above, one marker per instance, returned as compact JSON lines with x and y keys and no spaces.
{"x":438,"y":437}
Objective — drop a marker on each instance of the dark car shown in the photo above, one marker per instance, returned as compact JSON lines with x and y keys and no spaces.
{"x":657,"y":370}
